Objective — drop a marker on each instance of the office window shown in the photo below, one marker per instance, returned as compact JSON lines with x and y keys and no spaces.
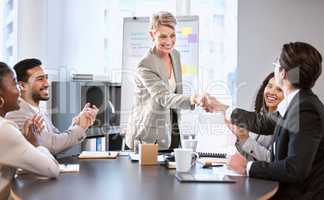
{"x":217,"y":45}
{"x":217,"y":66}
{"x":8,"y":23}
{"x":1,"y":32}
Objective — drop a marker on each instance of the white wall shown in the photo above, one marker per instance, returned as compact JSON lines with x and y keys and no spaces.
{"x":83,"y":33}
{"x":31,"y":32}
{"x":54,"y":33}
{"x":263,"y":26}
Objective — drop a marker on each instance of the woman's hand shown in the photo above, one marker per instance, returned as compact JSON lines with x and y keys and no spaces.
{"x":33,"y":128}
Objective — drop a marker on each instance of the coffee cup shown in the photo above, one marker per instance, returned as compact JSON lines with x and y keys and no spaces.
{"x":185,"y":159}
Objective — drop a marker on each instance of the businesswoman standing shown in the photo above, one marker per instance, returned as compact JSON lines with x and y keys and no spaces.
{"x":158,"y":87}
{"x":15,"y":150}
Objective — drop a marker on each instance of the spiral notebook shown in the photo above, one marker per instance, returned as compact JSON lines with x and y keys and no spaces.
{"x":209,"y":147}
{"x":213,"y":136}
{"x":212,"y":155}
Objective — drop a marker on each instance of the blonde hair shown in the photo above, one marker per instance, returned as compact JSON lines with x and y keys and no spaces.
{"x":162,"y":18}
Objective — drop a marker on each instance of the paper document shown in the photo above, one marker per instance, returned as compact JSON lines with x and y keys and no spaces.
{"x":69,"y":168}
{"x":225,"y":171}
{"x":135,"y":157}
{"x":98,"y":154}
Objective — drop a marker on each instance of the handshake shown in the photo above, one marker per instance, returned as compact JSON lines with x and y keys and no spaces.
{"x":209,"y":103}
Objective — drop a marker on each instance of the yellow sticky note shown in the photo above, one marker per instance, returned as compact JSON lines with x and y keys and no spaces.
{"x":189,"y":70}
{"x":184,"y":69}
{"x":186,"y":30}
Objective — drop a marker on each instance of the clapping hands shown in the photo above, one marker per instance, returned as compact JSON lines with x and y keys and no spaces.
{"x":87,"y":116}
{"x":33,"y":128}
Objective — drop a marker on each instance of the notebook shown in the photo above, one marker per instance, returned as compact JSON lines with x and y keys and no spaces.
{"x":69,"y":168}
{"x":213,"y":136}
{"x":212,"y":155}
{"x":215,"y":140}
{"x":98,"y":155}
{"x":203,"y":178}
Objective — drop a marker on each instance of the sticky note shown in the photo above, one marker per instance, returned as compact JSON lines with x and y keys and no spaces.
{"x":186,"y":30}
{"x":192,"y":38}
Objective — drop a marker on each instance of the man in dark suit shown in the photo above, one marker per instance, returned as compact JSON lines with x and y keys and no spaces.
{"x":298,"y":149}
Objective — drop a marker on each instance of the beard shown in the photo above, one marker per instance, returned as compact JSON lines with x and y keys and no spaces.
{"x":38,"y":97}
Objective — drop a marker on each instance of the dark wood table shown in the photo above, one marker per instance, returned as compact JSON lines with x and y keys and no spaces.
{"x":122,"y":179}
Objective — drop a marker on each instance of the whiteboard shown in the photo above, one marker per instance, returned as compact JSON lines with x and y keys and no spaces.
{"x":136,"y":42}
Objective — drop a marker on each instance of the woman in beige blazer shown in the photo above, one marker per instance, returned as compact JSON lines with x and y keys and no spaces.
{"x":158,"y":87}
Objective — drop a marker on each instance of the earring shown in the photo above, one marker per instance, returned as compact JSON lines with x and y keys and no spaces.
{"x":2,"y":102}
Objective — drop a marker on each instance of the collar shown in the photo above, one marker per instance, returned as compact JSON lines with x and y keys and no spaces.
{"x":34,"y":108}
{"x":283,"y":105}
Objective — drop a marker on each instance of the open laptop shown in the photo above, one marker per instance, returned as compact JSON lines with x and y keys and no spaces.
{"x":203,"y":178}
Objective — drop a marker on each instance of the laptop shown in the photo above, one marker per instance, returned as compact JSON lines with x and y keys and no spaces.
{"x":203,"y":178}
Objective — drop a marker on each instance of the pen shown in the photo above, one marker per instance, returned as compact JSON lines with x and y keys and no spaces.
{"x":209,"y":165}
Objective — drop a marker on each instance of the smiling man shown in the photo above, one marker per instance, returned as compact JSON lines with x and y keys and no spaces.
{"x":34,"y":85}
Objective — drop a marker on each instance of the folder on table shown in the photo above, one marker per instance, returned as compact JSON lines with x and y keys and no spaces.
{"x":98,"y":155}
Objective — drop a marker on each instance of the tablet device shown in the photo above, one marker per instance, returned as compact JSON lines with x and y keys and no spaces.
{"x":203,"y":178}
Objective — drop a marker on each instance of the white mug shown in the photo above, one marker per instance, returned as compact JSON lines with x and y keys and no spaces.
{"x":184,"y":159}
{"x":190,"y":144}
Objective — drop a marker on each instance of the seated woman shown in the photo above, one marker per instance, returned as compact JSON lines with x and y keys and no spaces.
{"x":251,"y":145}
{"x":15,"y":150}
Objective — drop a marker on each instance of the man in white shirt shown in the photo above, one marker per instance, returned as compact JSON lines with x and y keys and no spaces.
{"x":33,"y":83}
{"x":298,"y":127}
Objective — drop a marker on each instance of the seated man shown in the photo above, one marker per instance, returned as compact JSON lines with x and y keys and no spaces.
{"x":33,"y":82}
{"x":298,"y":127}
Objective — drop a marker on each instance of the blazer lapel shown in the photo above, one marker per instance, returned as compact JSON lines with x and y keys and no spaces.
{"x":177,"y":72}
{"x":159,"y":64}
{"x":274,"y":148}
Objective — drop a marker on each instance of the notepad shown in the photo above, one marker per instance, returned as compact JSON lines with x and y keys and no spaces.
{"x":65,"y":168}
{"x":98,"y":155}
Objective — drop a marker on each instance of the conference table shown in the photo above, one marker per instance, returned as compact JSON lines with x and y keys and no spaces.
{"x":121,"y":179}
